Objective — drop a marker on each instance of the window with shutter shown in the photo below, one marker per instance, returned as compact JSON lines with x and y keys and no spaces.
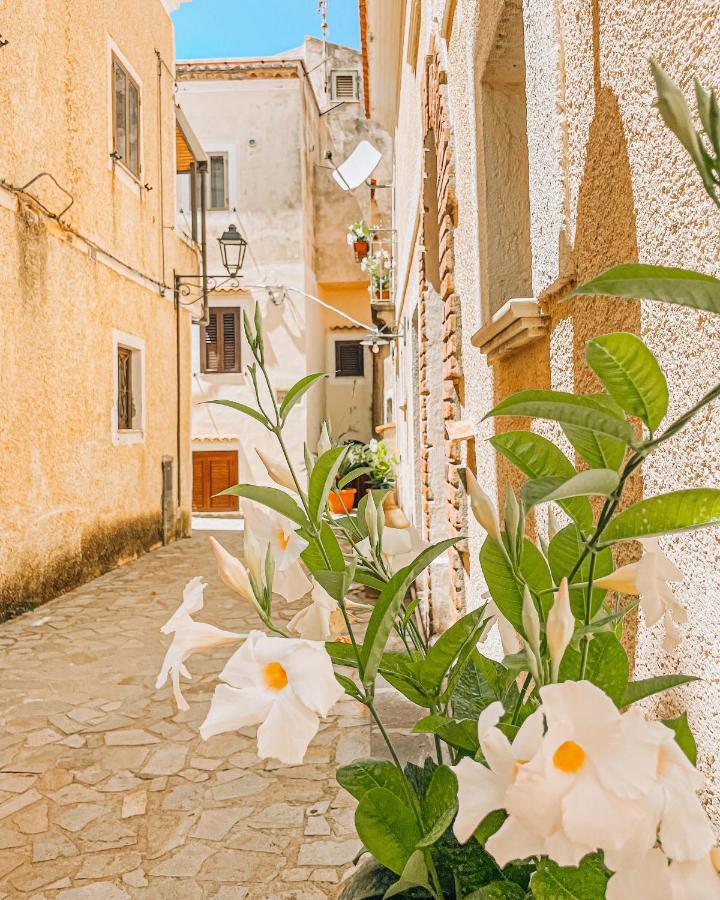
{"x":220,"y":341}
{"x":218,"y":181}
{"x":126,"y":118}
{"x":349,"y":359}
{"x":344,"y":85}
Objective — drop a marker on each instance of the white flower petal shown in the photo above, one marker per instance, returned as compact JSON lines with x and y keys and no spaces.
{"x":312,"y":678}
{"x":685,"y":830}
{"x":696,"y":880}
{"x":489,"y":718}
{"x":287,"y":731}
{"x":479,"y":793}
{"x":232,"y":571}
{"x":647,"y":879}
{"x":513,"y":841}
{"x":292,"y":584}
{"x":529,"y":737}
{"x":278,"y":471}
{"x":192,"y":602}
{"x":231,"y":709}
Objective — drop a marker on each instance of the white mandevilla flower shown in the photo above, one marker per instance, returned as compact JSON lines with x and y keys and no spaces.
{"x":508,"y":636}
{"x":592,"y":785}
{"x":188,"y":637}
{"x":648,"y":578}
{"x":232,"y":571}
{"x":560,"y":627}
{"x":278,"y":471}
{"x":265,"y":528}
{"x":482,"y":506}
{"x":321,"y":620}
{"x":482,"y":789}
{"x":284,"y":685}
{"x":399,"y":547}
{"x":651,"y":878}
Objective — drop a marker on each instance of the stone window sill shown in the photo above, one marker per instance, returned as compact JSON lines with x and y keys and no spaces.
{"x":518,"y":323}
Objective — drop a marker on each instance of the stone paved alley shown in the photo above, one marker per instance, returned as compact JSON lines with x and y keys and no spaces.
{"x":106,"y":791}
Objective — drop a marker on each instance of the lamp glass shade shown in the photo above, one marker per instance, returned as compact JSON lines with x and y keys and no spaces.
{"x":232,"y":250}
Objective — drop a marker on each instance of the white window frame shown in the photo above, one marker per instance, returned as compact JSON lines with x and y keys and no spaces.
{"x":356,"y":85}
{"x":135,"y":435}
{"x":123,"y":174}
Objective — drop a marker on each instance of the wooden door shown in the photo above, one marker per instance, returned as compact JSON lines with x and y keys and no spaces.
{"x":213,"y":471}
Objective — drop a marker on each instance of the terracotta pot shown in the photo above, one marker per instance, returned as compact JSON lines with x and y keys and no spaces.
{"x":361,"y":248}
{"x":342,"y":502}
{"x":394,"y":516}
{"x":382,"y":294}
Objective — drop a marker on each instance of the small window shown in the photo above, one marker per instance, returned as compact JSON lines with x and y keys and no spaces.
{"x":349,"y":359}
{"x":344,"y":85}
{"x":218,"y":181}
{"x":220,"y":341}
{"x":126,"y":118}
{"x":126,"y":409}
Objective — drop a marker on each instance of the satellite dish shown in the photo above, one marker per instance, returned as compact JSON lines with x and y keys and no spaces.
{"x":359,"y":166}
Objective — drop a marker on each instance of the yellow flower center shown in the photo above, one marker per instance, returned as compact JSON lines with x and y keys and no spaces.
{"x":275,"y":676}
{"x":569,"y":757}
{"x":283,"y":539}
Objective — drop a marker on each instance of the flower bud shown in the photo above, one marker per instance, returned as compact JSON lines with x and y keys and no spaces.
{"x":232,"y":572}
{"x":530,"y":621}
{"x":277,"y":470}
{"x":325,"y":442}
{"x":623,"y":580}
{"x":553,"y":526}
{"x":560,"y":627}
{"x":371,"y":519}
{"x":482,"y":506}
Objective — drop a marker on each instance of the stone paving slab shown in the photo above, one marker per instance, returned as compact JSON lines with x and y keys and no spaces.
{"x":106,"y":791}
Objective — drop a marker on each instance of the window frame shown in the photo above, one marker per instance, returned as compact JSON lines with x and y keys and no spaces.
{"x":355,"y":73}
{"x":136,"y":347}
{"x":204,"y":370}
{"x":130,"y":79}
{"x":223,"y":154}
{"x":361,"y":358}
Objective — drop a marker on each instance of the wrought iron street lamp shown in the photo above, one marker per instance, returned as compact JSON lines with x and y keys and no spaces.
{"x":232,"y":250}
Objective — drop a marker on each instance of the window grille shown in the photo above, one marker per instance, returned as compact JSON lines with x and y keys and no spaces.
{"x":218,"y":181}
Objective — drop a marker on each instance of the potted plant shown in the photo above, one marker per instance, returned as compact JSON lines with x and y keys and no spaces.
{"x":378,"y":265}
{"x":380,"y":463}
{"x":341,"y":498}
{"x":358,"y":237}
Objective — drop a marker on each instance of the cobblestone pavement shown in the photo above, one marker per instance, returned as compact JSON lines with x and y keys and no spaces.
{"x":106,"y":791}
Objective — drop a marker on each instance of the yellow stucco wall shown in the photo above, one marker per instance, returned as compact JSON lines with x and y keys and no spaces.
{"x":72,"y":502}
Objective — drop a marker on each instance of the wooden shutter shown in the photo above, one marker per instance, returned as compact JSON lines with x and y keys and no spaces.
{"x":213,"y":471}
{"x":349,"y":359}
{"x":220,"y":341}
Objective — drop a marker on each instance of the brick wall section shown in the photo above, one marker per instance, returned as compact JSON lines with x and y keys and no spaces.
{"x":435,"y":118}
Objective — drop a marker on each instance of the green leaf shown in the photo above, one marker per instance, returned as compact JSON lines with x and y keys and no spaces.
{"x":342,"y":654}
{"x":498,"y":890}
{"x":598,"y":450}
{"x":362,"y":576}
{"x":682,"y":287}
{"x":563,"y":553}
{"x":352,"y":475}
{"x":537,"y":457}
{"x":646,"y":687}
{"x":587,"y":881}
{"x":241,"y":407}
{"x":322,"y":480}
{"x":363,"y":775}
{"x":664,"y":514}
{"x":274,"y":498}
{"x":607,"y":666}
{"x":296,"y":392}
{"x":445,"y":650}
{"x":415,"y":874}
{"x":566,"y":408}
{"x":503,"y":586}
{"x":590,"y":483}
{"x":348,"y":685}
{"x":631,"y":375}
{"x":492,"y":822}
{"x":388,"y":606}
{"x":709,"y":112}
{"x":368,"y":882}
{"x":439,"y":805}
{"x":387,"y":827}
{"x":683,"y":736}
{"x":461,"y":734}
{"x":336,"y":584}
{"x":312,"y":555}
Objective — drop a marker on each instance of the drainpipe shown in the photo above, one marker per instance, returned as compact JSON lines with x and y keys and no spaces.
{"x":203,"y":169}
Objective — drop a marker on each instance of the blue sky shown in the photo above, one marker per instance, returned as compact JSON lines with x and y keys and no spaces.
{"x":228,"y":28}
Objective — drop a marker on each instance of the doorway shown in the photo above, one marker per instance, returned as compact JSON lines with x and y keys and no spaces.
{"x":213,"y":472}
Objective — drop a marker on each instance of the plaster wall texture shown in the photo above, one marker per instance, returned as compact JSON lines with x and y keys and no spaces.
{"x":607,"y":183}
{"x":294,"y":216}
{"x":75,"y":502}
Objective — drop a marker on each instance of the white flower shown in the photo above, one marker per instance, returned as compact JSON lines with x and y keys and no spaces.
{"x":189,"y":636}
{"x":278,"y":471}
{"x":592,"y":785}
{"x":399,"y":547}
{"x":283,"y":685}
{"x":560,"y":627}
{"x":232,"y":571}
{"x":482,"y":506}
{"x":482,"y":789}
{"x":651,"y":878}
{"x":192,"y":602}
{"x":649,"y":578}
{"x":696,"y":879}
{"x":265,"y":528}
{"x":322,"y":620}
{"x":508,"y":636}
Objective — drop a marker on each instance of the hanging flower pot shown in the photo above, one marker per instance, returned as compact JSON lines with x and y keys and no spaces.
{"x":341,"y":502}
{"x":361,"y":248}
